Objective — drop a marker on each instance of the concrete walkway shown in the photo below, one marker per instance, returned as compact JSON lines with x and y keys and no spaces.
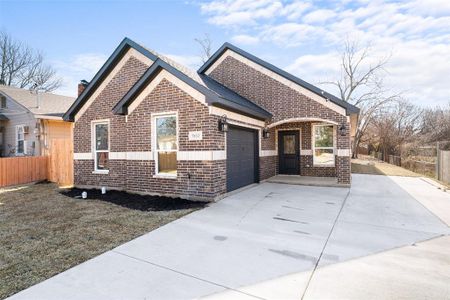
{"x":281,"y":241}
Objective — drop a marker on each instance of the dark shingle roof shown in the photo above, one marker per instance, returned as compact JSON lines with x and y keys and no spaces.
{"x":214,"y":95}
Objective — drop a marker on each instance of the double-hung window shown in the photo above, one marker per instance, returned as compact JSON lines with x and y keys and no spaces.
{"x":323,"y":145}
{"x":20,"y":139}
{"x":101,"y":145}
{"x":2,"y":102}
{"x":166,"y":144}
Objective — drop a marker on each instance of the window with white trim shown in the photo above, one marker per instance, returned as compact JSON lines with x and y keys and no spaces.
{"x":20,"y":139}
{"x":2,"y":102}
{"x":323,"y":145}
{"x":101,"y":145}
{"x":166,"y":144}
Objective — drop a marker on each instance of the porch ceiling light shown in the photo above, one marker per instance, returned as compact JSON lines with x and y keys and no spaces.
{"x":223,"y":125}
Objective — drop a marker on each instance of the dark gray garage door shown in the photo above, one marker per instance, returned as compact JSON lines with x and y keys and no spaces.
{"x":241,"y":157}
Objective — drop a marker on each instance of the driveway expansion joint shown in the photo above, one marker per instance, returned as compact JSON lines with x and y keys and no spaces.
{"x":325,"y":244}
{"x":186,"y":274}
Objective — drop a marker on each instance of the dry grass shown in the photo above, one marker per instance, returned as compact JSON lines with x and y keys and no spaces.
{"x":379,"y":168}
{"x":43,"y":232}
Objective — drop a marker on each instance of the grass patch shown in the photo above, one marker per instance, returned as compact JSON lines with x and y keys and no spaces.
{"x":44,"y":232}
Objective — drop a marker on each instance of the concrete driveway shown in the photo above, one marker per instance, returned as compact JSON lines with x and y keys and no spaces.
{"x":277,"y":241}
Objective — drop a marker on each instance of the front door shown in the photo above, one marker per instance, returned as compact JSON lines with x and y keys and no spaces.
{"x":288,"y":152}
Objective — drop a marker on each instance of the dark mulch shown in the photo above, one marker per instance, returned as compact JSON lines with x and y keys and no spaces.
{"x":135,"y":201}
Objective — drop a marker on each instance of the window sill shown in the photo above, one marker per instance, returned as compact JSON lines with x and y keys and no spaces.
{"x":165,"y":176}
{"x":100,"y":172}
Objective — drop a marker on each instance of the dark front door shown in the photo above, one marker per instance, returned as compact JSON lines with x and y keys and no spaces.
{"x":289,"y":152}
{"x":242,"y":163}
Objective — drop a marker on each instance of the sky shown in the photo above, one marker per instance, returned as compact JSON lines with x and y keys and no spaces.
{"x":302,"y":37}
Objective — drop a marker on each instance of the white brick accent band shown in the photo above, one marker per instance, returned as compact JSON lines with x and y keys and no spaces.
{"x":118,"y":155}
{"x":83,"y":156}
{"x":201,"y":155}
{"x":343,"y":152}
{"x":306,"y":152}
{"x":148,"y":155}
{"x":264,"y":153}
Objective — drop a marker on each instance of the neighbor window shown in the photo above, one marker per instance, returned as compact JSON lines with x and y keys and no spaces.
{"x":20,"y":139}
{"x":101,"y":145}
{"x":2,"y":102}
{"x":323,"y":145}
{"x":165,"y":133}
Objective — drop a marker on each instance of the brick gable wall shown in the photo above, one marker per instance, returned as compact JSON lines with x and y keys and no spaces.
{"x":284,"y":103}
{"x":195,"y":179}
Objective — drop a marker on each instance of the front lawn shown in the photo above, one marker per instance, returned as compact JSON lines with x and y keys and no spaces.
{"x":44,"y":232}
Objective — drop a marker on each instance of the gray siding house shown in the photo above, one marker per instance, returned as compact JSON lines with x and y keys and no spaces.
{"x":28,"y":123}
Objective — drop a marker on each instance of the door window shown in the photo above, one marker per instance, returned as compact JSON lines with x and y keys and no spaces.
{"x":289,"y":144}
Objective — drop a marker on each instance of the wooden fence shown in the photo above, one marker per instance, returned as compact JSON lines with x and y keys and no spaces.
{"x":20,"y":170}
{"x":443,"y":166}
{"x":60,"y":164}
{"x":57,"y":167}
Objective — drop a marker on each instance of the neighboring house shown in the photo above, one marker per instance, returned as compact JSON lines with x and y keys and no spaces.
{"x":146,"y":124}
{"x":28,"y":124}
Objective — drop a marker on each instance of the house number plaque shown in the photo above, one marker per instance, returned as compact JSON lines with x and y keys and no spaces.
{"x":195,"y":135}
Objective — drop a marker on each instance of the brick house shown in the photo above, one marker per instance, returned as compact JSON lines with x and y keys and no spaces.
{"x":147,"y":124}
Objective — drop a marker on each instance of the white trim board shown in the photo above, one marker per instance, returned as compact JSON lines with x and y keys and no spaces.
{"x":130,"y":53}
{"x":277,"y":77}
{"x":305,"y":119}
{"x":213,"y":110}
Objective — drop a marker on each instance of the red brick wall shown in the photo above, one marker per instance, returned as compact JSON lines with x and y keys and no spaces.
{"x":284,"y":103}
{"x":195,"y":179}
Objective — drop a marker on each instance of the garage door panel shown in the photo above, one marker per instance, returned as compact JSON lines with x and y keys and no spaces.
{"x":240,"y":157}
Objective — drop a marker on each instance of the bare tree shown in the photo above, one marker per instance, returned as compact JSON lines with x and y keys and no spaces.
{"x":21,"y":66}
{"x":436,"y":124}
{"x":361,"y":84}
{"x":394,"y":126}
{"x":206,"y":47}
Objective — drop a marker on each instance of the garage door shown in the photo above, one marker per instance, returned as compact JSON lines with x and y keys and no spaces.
{"x":241,"y":157}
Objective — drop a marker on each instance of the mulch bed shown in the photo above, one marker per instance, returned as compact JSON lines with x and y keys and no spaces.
{"x":135,"y":201}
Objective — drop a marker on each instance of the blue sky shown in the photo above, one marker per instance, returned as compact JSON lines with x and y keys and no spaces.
{"x":302,"y":37}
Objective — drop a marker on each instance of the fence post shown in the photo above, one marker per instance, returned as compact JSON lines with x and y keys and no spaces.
{"x":438,"y":162}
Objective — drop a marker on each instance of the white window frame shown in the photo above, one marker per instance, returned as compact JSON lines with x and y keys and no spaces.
{"x":3,"y":102}
{"x":17,"y":140}
{"x":313,"y":134}
{"x":155,"y":150}
{"x":93,"y":144}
